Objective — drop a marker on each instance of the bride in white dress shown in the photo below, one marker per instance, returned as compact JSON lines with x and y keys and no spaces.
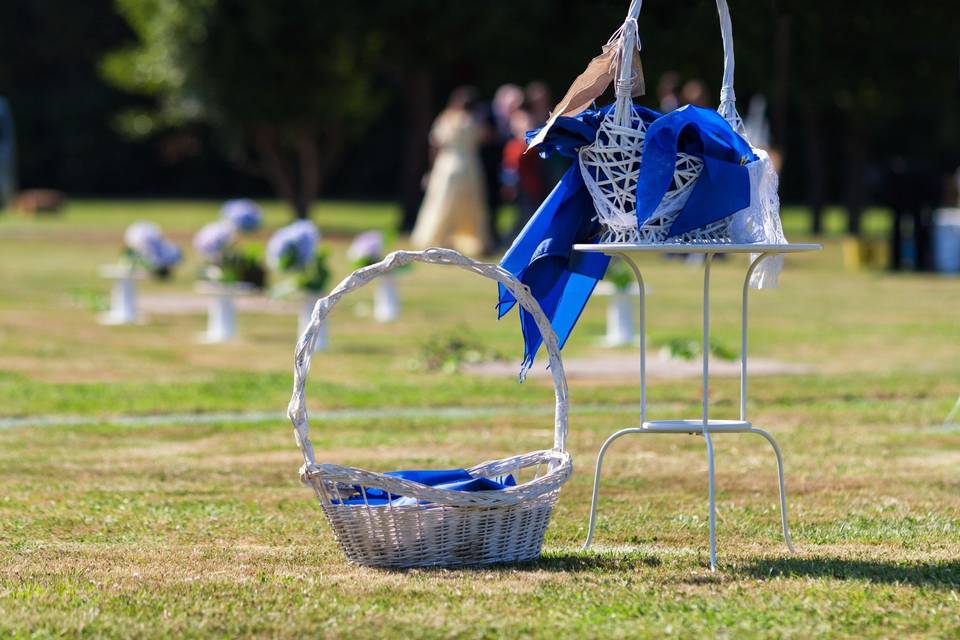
{"x":454,"y":209}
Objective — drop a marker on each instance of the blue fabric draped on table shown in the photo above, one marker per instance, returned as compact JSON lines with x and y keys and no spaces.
{"x":452,"y":479}
{"x":542,"y":256}
{"x":723,"y":186}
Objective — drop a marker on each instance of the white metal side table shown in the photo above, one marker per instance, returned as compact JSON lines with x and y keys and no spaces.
{"x":705,"y":425}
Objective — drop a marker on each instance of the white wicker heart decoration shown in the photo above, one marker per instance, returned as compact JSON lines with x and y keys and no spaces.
{"x":611,"y":164}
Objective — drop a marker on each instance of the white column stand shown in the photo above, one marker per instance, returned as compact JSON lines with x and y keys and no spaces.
{"x":221,"y":318}
{"x":386,"y":299}
{"x":221,"y":310}
{"x":123,"y":295}
{"x":619,"y":319}
{"x":306,"y":310}
{"x":620,"y":330}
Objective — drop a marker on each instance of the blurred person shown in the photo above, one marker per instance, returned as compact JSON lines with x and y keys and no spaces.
{"x":695,"y":92}
{"x":495,"y":118}
{"x":8,"y":156}
{"x":524,"y":174}
{"x":454,"y":209}
{"x":539,"y":102}
{"x":956,"y":184}
{"x":667,"y":91}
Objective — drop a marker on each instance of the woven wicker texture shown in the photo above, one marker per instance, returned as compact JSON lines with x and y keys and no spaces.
{"x":611,"y":164}
{"x":442,"y":527}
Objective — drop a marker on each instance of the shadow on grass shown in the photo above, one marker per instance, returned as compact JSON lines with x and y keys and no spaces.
{"x":944,"y":574}
{"x":588,"y":561}
{"x":560,"y":561}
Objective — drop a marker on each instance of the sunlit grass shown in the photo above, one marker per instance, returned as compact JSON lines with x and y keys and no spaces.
{"x":179,"y":529}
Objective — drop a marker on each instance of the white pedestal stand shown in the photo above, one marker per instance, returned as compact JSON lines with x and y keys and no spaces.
{"x":221,"y":310}
{"x":123,"y":294}
{"x":309,"y":301}
{"x":620,"y":324}
{"x":703,"y":426}
{"x":386,"y":300}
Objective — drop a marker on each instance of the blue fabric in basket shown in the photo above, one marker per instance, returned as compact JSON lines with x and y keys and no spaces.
{"x":451,"y":479}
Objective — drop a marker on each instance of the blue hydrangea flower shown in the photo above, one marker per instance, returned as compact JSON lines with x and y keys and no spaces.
{"x":243,"y":213}
{"x":292,"y":248}
{"x":366,"y":247}
{"x":147,"y":241}
{"x":213,"y":238}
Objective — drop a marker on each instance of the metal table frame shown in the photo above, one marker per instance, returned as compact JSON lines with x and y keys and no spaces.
{"x":704,"y":426}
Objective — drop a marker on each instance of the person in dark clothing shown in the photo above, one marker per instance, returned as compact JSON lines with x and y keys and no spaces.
{"x":525,"y":179}
{"x":496,"y":120}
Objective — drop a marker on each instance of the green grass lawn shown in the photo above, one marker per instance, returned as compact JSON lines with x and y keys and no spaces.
{"x":173,"y":528}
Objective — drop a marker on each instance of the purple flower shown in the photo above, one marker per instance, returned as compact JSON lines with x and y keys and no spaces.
{"x":213,"y":239}
{"x":243,"y":213}
{"x":292,"y":247}
{"x":366,"y":247}
{"x":146,"y":240}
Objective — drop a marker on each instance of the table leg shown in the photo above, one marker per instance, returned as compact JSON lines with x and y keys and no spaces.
{"x":743,"y":334}
{"x":596,"y":480}
{"x":708,"y":260}
{"x":643,"y":398}
{"x":643,"y":334}
{"x":713,"y":502}
{"x":783,"y":490}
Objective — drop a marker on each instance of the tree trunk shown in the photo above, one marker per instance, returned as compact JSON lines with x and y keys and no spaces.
{"x":815,"y":169}
{"x":297,"y":175}
{"x":274,"y":168}
{"x":309,"y":164}
{"x":417,"y":88}
{"x":781,"y":84}
{"x":855,"y":191}
{"x":321,"y":163}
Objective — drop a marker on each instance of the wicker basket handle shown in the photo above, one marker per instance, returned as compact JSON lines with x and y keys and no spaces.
{"x":728,"y":98}
{"x":297,"y":410}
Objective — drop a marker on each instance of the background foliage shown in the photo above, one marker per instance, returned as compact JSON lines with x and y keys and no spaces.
{"x":852,"y":86}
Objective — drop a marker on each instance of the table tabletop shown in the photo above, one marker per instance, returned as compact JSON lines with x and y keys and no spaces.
{"x":613,"y":248}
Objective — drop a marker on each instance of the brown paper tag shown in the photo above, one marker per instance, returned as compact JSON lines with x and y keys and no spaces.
{"x":639,"y":88}
{"x":588,"y":86}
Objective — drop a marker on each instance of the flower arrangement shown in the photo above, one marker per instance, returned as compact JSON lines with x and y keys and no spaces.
{"x":366,"y":249}
{"x":243,"y":213}
{"x":145,"y":246}
{"x":225,"y":262}
{"x":214,"y":239}
{"x":293,"y":249}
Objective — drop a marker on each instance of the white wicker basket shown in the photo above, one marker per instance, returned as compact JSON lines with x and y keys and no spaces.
{"x":443,"y":527}
{"x":611,"y":164}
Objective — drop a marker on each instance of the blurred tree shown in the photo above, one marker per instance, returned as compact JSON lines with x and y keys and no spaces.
{"x":851,"y":86}
{"x":48,"y":56}
{"x":284,"y":84}
{"x":872,"y":84}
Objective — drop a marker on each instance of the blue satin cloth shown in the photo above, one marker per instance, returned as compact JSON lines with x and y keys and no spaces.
{"x":723,"y":186}
{"x":542,"y":256}
{"x":452,"y":479}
